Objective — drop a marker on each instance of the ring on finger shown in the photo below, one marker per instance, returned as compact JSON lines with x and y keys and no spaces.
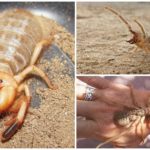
{"x":89,"y":93}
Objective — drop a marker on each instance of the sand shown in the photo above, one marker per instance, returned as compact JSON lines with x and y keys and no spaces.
{"x":101,"y":39}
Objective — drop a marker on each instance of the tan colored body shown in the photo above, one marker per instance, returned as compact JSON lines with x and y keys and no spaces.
{"x":20,"y":31}
{"x":140,"y":39}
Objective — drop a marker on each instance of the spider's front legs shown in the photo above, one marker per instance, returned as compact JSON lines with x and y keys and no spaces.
{"x":34,"y":70}
{"x":20,"y":107}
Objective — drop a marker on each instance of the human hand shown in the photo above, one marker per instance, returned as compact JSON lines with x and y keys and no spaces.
{"x":109,"y":98}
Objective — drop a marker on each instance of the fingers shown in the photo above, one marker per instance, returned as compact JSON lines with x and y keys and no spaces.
{"x":94,"y":109}
{"x":107,"y":96}
{"x":96,"y":82}
{"x":85,"y":128}
{"x":81,"y":92}
{"x":86,"y":109}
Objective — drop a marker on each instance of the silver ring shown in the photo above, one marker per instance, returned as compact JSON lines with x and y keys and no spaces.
{"x":89,"y":93}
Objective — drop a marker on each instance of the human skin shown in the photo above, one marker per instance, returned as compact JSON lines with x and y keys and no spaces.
{"x":108,"y":99}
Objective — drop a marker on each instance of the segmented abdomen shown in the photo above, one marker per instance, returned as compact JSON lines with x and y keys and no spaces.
{"x":20,"y":31}
{"x":124,"y":118}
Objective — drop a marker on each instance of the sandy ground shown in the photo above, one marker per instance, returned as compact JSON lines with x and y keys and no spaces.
{"x":50,"y":120}
{"x":101,"y":39}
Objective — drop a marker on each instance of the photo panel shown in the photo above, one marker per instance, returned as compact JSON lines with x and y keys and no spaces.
{"x":112,"y":38}
{"x":37,"y":74}
{"x":113,"y":111}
